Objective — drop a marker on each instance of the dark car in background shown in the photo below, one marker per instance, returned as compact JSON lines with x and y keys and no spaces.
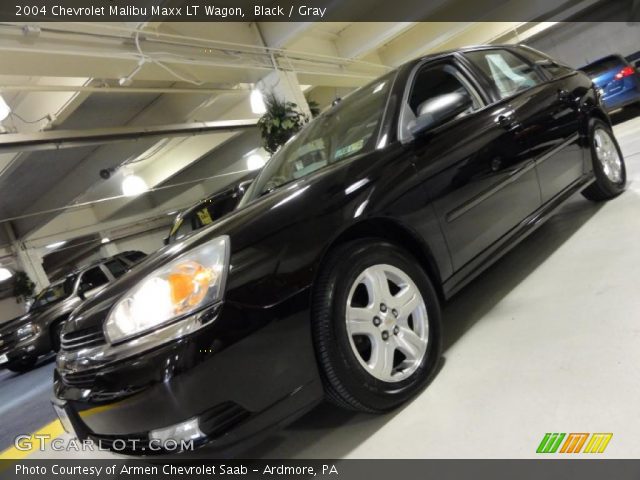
{"x":24,"y":339}
{"x":617,"y":79}
{"x":205,"y":211}
{"x":327,"y":280}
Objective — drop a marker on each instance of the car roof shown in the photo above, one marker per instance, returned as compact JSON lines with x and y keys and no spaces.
{"x":97,"y":262}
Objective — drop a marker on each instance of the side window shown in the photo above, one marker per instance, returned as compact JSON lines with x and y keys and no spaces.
{"x":434,"y":83}
{"x":92,"y":278}
{"x":134,"y":256}
{"x":552,"y":67}
{"x":507,"y":72}
{"x":116,"y":267}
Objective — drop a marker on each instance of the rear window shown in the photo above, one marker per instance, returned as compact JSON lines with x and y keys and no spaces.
{"x":597,"y":68}
{"x":134,"y":256}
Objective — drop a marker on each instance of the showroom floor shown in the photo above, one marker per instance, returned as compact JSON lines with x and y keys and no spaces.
{"x":548,"y":340}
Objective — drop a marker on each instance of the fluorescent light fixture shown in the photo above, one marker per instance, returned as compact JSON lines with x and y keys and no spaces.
{"x":133,"y":185}
{"x":105,"y":240}
{"x":55,"y":245}
{"x":257,"y":102}
{"x":5,"y":110}
{"x":5,"y":274}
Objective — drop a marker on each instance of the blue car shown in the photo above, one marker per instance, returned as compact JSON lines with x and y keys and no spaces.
{"x":617,"y":80}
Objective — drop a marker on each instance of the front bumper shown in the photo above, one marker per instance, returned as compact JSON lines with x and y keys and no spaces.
{"x":245,"y":372}
{"x":32,"y":346}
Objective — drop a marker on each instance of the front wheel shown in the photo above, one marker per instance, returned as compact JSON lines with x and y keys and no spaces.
{"x":22,"y":365}
{"x":608,"y":164}
{"x":376,"y":326}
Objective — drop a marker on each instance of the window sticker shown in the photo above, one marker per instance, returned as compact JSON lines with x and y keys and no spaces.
{"x":349,"y":149}
{"x":204,"y":216}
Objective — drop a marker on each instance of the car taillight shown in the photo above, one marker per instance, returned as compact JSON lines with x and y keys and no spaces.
{"x":625,"y":72}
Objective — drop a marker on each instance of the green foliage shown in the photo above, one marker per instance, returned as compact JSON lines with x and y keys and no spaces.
{"x":23,"y":287}
{"x":281,"y":121}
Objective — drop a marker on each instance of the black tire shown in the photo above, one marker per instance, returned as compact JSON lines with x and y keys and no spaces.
{"x":22,"y":365}
{"x":346,"y":382}
{"x":603,"y":188}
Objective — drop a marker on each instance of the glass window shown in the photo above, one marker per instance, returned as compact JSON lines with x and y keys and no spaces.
{"x":92,"y":278}
{"x":432,"y":82}
{"x":509,"y":73}
{"x":116,"y":267}
{"x":546,"y":63}
{"x":347,"y":129}
{"x":134,"y":256}
{"x":55,"y":292}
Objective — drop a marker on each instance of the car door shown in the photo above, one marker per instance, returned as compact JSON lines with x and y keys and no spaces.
{"x":474,"y":167}
{"x":544,"y":102}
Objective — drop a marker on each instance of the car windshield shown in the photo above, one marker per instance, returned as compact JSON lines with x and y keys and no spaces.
{"x":55,"y":292}
{"x":347,"y":129}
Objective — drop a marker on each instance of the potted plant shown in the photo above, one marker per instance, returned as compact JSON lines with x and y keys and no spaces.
{"x":281,"y":121}
{"x":23,"y":287}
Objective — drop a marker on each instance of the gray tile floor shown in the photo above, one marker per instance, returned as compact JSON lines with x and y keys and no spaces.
{"x":548,"y":340}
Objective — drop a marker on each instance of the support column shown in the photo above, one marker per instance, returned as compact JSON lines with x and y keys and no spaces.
{"x":286,"y":87}
{"x":29,"y":259}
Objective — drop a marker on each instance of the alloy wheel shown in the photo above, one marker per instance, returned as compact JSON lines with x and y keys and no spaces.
{"x":387,"y":323}
{"x":608,"y":155}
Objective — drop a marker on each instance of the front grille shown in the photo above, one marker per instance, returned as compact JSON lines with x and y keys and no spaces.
{"x":7,"y":341}
{"x":85,"y":338}
{"x":82,"y":380}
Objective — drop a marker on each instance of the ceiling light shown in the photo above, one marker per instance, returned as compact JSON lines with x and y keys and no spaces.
{"x":105,"y":240}
{"x":56,"y":244}
{"x":255,"y":162}
{"x":257,"y":102}
{"x":133,"y":185}
{"x":5,"y":274}
{"x":5,"y":110}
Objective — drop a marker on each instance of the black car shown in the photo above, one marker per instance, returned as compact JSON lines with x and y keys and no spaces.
{"x":327,"y":280}
{"x":24,"y":339}
{"x":211,"y":209}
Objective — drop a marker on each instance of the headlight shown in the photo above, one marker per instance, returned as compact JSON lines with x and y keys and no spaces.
{"x":27,"y":330}
{"x":192,"y":281}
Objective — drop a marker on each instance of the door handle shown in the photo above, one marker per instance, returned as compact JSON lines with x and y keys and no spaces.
{"x":507,"y":122}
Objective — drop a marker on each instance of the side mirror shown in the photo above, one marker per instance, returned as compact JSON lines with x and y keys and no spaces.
{"x":439,"y":110}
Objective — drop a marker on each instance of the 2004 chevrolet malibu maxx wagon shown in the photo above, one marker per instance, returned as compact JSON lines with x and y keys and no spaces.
{"x":326,"y":281}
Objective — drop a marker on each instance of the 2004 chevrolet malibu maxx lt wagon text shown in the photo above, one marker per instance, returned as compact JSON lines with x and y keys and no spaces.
{"x":326,"y":281}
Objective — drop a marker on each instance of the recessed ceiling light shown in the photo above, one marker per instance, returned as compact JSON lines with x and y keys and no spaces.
{"x":133,"y":185}
{"x":56,"y":244}
{"x":5,"y":274}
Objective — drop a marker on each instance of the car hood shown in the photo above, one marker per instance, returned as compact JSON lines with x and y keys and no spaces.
{"x":41,"y":316}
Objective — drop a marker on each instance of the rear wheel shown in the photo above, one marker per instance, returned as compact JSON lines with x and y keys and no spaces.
{"x":608,"y":164}
{"x":376,"y":326}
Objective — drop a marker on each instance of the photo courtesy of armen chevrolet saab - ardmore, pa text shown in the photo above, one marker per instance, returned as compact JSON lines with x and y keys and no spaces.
{"x":319,"y":239}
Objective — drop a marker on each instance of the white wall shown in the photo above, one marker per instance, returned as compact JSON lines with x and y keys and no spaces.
{"x":9,"y":309}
